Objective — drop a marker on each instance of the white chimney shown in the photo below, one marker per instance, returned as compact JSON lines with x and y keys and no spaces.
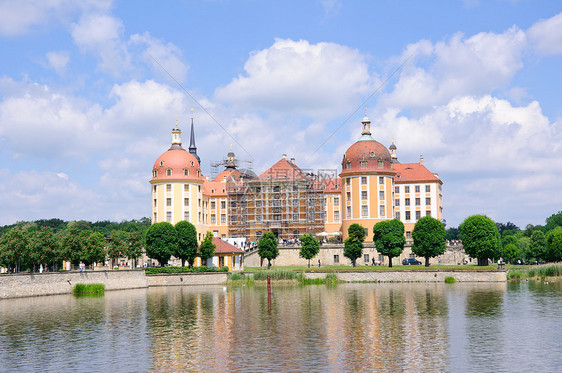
{"x":293,"y":160}
{"x":421,"y":160}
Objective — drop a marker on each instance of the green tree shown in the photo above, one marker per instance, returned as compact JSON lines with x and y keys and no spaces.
{"x":207,"y":248}
{"x":429,"y":238}
{"x":71,"y":246}
{"x":310,"y":247}
{"x":134,"y":244}
{"x":554,"y":245}
{"x":511,"y":252}
{"x":45,"y":246}
{"x":389,"y":239}
{"x":480,"y":238}
{"x":353,"y":245}
{"x":537,"y":246}
{"x":553,"y":221}
{"x":117,"y":247}
{"x":267,"y":247}
{"x":452,"y":234}
{"x":93,"y":249}
{"x":187,"y":243}
{"x":13,"y":245}
{"x":161,"y":242}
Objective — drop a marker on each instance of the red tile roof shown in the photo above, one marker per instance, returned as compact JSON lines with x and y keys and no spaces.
{"x":216,"y":186}
{"x":223,"y":247}
{"x":407,"y":172}
{"x":283,"y":169}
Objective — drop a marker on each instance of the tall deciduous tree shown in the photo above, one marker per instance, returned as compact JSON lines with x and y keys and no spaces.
{"x":537,"y":246}
{"x":353,"y":245}
{"x":161,"y":242}
{"x":45,"y":246}
{"x":134,"y":245}
{"x":554,"y":245}
{"x":93,"y":248}
{"x":117,"y":247}
{"x":429,"y":238}
{"x":187,"y":242}
{"x":13,"y":244}
{"x":480,"y":238}
{"x":389,"y":239}
{"x":511,"y":252}
{"x":267,"y":247}
{"x":207,"y":248}
{"x":71,"y":245}
{"x":310,"y":247}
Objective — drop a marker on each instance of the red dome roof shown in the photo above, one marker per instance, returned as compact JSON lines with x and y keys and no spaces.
{"x":176,"y":164}
{"x":370,"y":151}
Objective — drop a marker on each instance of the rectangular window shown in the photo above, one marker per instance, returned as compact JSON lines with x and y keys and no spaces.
{"x":397,"y":189}
{"x":363,"y":194}
{"x":428,"y":188}
{"x":213,"y":204}
{"x":363,"y":180}
{"x":336,"y":200}
{"x":428,"y":201}
{"x":381,"y":180}
{"x":213,"y":219}
{"x":408,"y":235}
{"x":258,"y":190}
{"x":168,"y":216}
{"x":155,"y":216}
{"x":363,"y":164}
{"x":365,"y":210}
{"x":295,"y":217}
{"x":397,"y":215}
{"x":186,"y":187}
{"x":427,"y":212}
{"x":233,"y":204}
{"x":417,"y":188}
{"x":199,"y":202}
{"x":407,"y":215}
{"x":295,"y":202}
{"x":233,"y":218}
{"x":259,"y":217}
{"x":407,"y":189}
{"x":349,"y":211}
{"x":336,"y":258}
{"x":258,"y":203}
{"x":381,"y":210}
{"x":381,"y":164}
{"x":336,"y":216}
{"x":276,"y":189}
{"x":397,"y":202}
{"x":154,"y":188}
{"x":168,"y":187}
{"x":186,"y":215}
{"x":199,"y":188}
{"x":406,"y":202}
{"x":348,"y":194}
{"x":366,"y":258}
{"x":277,"y":217}
{"x":323,"y":215}
{"x":417,"y":201}
{"x":347,"y":181}
{"x":223,"y":204}
{"x":168,"y":201}
{"x":186,"y":201}
{"x":155,"y":203}
{"x":381,"y":195}
{"x":418,"y":215}
{"x":223,"y":218}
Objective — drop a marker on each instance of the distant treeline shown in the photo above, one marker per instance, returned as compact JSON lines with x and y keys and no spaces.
{"x":105,"y":227}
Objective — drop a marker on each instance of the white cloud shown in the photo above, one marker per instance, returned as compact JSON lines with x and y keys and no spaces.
{"x":546,"y":35}
{"x":17,"y":16}
{"x":297,"y":77}
{"x":102,"y":35}
{"x":167,"y":54}
{"x":457,"y":67}
{"x":58,"y":61}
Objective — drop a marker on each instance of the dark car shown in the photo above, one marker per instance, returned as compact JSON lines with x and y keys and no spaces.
{"x":411,"y":261}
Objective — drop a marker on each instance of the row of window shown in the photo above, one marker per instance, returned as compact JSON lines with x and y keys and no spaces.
{"x":416,"y":189}
{"x":409,"y":217}
{"x":169,"y":172}
{"x":364,"y":180}
{"x":417,"y":201}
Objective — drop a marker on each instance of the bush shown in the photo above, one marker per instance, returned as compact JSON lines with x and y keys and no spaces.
{"x":450,"y":280}
{"x":89,"y":289}
{"x":276,"y":274}
{"x":169,"y":270}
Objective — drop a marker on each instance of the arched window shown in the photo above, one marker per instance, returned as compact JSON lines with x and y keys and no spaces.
{"x":169,"y":172}
{"x":185,"y":172}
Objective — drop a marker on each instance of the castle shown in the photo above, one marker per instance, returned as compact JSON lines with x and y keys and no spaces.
{"x":289,"y":201}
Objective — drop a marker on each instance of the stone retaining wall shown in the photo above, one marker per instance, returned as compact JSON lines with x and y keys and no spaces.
{"x":415,"y":276}
{"x":181,"y":279}
{"x":51,"y":283}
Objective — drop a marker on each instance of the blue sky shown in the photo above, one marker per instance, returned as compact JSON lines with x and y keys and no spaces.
{"x":85,"y":110}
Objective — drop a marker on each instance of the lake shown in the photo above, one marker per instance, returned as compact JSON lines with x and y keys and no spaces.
{"x":414,"y":327}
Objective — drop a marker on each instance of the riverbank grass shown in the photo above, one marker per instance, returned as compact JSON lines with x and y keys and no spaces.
{"x":542,"y":272}
{"x":83,"y":289}
{"x":450,"y":280}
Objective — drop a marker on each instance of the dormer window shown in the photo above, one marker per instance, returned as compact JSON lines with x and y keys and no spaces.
{"x":381,"y":164}
{"x":348,"y":165}
{"x":155,"y":173}
{"x":363,"y":164}
{"x":161,"y":163}
{"x":198,"y":173}
{"x":185,"y":172}
{"x":169,"y":172}
{"x":192,"y":164}
{"x":212,"y":191}
{"x":372,"y":154}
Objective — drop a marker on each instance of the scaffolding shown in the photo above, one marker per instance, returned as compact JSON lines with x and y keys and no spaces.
{"x":288,"y":203}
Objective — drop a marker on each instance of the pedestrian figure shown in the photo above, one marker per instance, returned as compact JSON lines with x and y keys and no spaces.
{"x":318,"y":263}
{"x":439,"y":260}
{"x":373,"y":261}
{"x":41,"y":268}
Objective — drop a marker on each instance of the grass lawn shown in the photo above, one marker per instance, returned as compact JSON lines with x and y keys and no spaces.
{"x":328,"y":268}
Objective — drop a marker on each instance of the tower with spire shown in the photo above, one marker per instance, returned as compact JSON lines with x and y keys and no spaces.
{"x":192,"y":147}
